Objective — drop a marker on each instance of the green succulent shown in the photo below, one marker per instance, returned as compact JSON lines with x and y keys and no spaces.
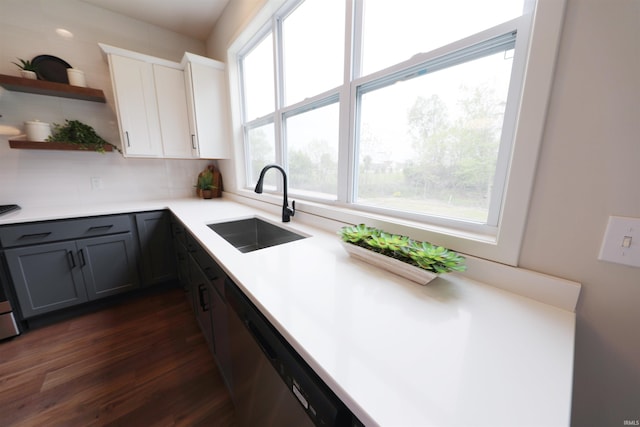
{"x":26,"y":65}
{"x":424,"y":255}
{"x":356,"y":233}
{"x":388,"y":242}
{"x":435,"y":258}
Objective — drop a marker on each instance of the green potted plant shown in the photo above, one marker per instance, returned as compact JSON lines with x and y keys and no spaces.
{"x":422,"y":261}
{"x":205,"y":184}
{"x":83,"y":135}
{"x":209,"y":184}
{"x":27,"y":69}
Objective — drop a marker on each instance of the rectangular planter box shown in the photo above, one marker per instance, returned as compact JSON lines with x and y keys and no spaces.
{"x":393,"y":265}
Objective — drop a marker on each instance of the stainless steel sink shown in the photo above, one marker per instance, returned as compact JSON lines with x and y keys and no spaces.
{"x":251,"y":234}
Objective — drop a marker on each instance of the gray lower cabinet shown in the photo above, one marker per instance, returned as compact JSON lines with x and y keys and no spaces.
{"x":59,"y":264}
{"x":201,"y":294}
{"x":156,"y":247}
{"x":182,"y":258}
{"x":220,"y":325}
{"x":203,"y":281}
{"x":46,"y":277}
{"x":53,"y":276}
{"x":108,"y":265}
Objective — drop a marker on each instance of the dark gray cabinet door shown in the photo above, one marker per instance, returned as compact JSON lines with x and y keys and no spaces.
{"x":202,"y":301}
{"x":46,"y":277}
{"x":182,"y":262}
{"x":220,"y":327}
{"x":108,"y":264}
{"x":156,"y":247}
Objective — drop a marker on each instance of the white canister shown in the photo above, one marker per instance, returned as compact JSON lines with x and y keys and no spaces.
{"x":76,"y":77}
{"x":37,"y":130}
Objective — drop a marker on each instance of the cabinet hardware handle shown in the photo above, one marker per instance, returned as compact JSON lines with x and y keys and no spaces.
{"x":211,"y":275}
{"x":81,"y":256}
{"x":127,"y":134}
{"x":72,"y":261}
{"x":201,"y":291}
{"x":35,"y":236}
{"x":193,"y":142}
{"x":100,"y":227}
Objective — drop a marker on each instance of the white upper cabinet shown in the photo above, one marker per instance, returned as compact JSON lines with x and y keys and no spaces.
{"x":207,"y":105}
{"x":168,"y":109}
{"x":172,"y":112}
{"x":134,"y":90}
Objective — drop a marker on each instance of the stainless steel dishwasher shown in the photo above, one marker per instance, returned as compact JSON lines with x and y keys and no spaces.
{"x":272,"y":385}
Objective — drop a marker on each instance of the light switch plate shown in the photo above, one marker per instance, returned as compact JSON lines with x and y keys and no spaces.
{"x":621,"y":243}
{"x":96,"y":183}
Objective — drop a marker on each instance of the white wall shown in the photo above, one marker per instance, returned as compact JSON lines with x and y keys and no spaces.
{"x":35,"y":177}
{"x":235,"y":17}
{"x":588,"y":170}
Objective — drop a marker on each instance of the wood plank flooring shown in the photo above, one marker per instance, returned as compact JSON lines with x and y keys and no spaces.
{"x":142,"y":362}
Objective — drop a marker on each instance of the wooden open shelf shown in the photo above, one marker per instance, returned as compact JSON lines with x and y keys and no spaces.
{"x":41,"y":87}
{"x":38,"y":145}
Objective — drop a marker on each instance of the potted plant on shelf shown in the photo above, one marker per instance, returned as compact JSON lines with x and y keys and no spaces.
{"x":80,"y":134}
{"x":418,"y":261}
{"x":27,"y":69}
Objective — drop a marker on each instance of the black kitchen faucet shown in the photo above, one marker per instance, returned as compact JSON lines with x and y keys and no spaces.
{"x":287,"y":212}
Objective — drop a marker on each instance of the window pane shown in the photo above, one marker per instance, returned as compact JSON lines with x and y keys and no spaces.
{"x":262,"y":151}
{"x":313,"y":41}
{"x":312,"y":150}
{"x":257,"y":68}
{"x":395,"y":31}
{"x":430,"y":144}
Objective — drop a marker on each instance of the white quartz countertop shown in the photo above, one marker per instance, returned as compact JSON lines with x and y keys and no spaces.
{"x":454,"y":353}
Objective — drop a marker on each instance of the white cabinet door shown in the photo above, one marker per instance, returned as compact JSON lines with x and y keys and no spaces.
{"x":135,"y":96}
{"x":208,"y":109}
{"x":177,"y":141}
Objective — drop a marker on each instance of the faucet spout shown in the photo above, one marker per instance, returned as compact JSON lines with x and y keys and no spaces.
{"x":287,"y":212}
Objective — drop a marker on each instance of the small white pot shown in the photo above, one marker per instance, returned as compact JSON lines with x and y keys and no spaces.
{"x":37,"y":130}
{"x":28,"y":74}
{"x":76,"y":77}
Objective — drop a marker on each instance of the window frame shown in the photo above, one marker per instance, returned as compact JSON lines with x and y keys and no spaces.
{"x":501,"y":243}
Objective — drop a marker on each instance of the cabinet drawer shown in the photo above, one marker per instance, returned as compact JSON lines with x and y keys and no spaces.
{"x":51,"y":231}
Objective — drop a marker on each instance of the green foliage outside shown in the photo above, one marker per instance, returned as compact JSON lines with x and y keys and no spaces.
{"x":450,"y":173}
{"x":454,"y":161}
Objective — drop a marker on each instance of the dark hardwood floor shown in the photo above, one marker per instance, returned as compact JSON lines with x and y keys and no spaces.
{"x":142,"y":362}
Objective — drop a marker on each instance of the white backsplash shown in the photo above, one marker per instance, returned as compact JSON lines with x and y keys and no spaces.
{"x":39,"y":177}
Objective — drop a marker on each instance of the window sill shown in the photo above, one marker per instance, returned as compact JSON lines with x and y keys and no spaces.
{"x":547,"y":289}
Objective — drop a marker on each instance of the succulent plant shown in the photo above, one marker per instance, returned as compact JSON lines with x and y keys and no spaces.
{"x":356,"y":233}
{"x":435,"y":258}
{"x":26,"y":65}
{"x":424,"y":255}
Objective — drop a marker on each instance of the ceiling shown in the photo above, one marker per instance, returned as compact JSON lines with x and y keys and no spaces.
{"x":193,"y":18}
